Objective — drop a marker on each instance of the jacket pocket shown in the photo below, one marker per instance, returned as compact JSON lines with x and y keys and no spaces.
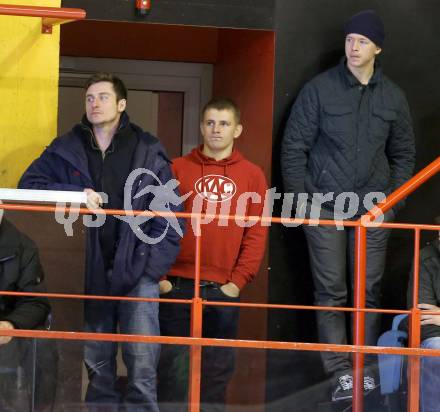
{"x":337,"y":118}
{"x":382,"y":121}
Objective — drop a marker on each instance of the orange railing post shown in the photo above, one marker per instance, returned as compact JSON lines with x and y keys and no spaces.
{"x":359,"y":316}
{"x":195,"y":351}
{"x":414,"y":339}
{"x":414,"y":333}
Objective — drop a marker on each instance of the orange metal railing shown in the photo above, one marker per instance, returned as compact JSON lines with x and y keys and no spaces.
{"x":196,"y":342}
{"x":50,"y":16}
{"x":359,"y":291}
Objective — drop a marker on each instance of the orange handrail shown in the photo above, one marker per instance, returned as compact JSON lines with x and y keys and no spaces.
{"x":407,"y":188}
{"x":359,"y":290}
{"x":232,"y":343}
{"x":196,"y":341}
{"x":50,"y":16}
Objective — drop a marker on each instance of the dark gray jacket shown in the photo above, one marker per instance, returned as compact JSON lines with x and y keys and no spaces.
{"x":345,"y":137}
{"x":20,"y":271}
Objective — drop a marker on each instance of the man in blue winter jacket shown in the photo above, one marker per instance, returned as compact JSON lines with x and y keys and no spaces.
{"x":116,"y":164}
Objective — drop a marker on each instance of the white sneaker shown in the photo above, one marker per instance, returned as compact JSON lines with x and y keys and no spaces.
{"x":369,"y":383}
{"x":344,"y":388}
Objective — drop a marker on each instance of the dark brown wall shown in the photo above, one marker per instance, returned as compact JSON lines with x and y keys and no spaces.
{"x":244,"y":70}
{"x":127,"y":40}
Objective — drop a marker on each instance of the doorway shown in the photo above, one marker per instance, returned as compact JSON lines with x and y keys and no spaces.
{"x":164,"y":98}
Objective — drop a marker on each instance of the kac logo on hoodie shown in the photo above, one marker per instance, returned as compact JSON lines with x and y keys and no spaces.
{"x":216,"y":188}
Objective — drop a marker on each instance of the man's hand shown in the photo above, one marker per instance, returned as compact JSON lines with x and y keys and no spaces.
{"x":165,"y":286}
{"x":429,"y":319}
{"x":94,"y":200}
{"x":4,"y":324}
{"x":230,"y":289}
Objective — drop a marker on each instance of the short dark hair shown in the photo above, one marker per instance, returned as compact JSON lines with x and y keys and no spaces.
{"x":223,"y":103}
{"x":118,"y":84}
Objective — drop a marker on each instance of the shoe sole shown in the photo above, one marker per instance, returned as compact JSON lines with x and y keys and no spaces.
{"x":344,"y":398}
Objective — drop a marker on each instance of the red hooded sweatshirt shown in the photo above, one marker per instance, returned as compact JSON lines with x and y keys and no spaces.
{"x":230,"y":252}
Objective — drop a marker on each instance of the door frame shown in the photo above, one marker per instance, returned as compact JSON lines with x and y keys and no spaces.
{"x":193,"y":79}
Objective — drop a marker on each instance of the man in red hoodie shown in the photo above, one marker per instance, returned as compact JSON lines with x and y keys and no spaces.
{"x":220,"y":181}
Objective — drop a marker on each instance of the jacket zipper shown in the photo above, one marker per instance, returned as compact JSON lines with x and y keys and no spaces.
{"x":358,"y":117}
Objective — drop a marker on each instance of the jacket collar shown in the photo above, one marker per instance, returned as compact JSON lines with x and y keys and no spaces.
{"x":123,"y":122}
{"x":123,"y":133}
{"x":70,"y":146}
{"x":71,"y":149}
{"x":349,"y":78}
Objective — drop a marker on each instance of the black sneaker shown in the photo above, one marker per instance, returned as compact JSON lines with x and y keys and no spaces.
{"x":370,"y":383}
{"x":343,"y":389}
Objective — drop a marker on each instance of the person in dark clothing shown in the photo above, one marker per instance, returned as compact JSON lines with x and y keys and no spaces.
{"x":115,"y":163}
{"x":20,"y":271}
{"x":429,"y":299}
{"x":349,"y":138}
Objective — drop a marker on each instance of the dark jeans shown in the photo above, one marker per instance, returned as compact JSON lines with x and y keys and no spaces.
{"x":217,"y":362}
{"x":331,"y":251}
{"x":135,"y":318}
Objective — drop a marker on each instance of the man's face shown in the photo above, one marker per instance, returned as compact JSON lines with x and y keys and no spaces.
{"x":219,"y":128}
{"x":360,"y":51}
{"x":102,"y":107}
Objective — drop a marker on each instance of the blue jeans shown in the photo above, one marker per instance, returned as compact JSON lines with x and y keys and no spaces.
{"x":135,"y":318}
{"x":430,"y":378}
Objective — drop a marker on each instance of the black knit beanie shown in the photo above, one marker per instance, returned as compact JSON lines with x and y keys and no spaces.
{"x":367,"y":23}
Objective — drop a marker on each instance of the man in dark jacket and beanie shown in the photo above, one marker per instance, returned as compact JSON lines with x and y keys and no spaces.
{"x":106,"y":156}
{"x":349,"y":138}
{"x":429,"y":299}
{"x":20,"y":271}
